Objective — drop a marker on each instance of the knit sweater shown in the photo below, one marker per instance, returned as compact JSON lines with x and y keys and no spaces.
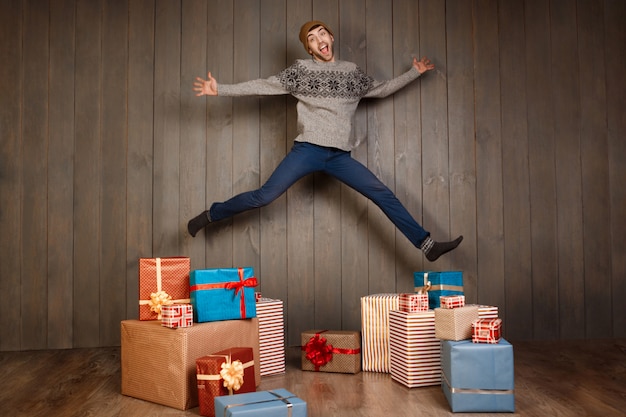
{"x":328,"y":94}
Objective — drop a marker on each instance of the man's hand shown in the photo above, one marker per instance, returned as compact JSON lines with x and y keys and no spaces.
{"x":206,"y":87}
{"x":423,"y":65}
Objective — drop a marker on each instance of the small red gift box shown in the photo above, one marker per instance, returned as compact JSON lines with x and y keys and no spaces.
{"x":177,"y":315}
{"x":229,"y":371}
{"x":486,"y":330}
{"x":452,"y":301}
{"x":162,"y":281}
{"x":413,"y":302}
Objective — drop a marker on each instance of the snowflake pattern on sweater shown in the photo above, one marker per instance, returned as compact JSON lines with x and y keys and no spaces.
{"x":297,"y":79}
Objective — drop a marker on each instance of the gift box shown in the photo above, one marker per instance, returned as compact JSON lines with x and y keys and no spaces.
{"x":159,"y":365}
{"x":478,"y":377}
{"x":452,"y":301}
{"x":271,"y":403}
{"x":455,"y":323}
{"x":375,"y":310}
{"x":177,"y":315}
{"x":222,"y":294}
{"x":162,"y":281}
{"x":331,"y":351}
{"x":414,"y":350}
{"x":227,"y":372}
{"x":487,"y":330}
{"x":413,"y":302}
{"x":487,"y":312}
{"x":271,"y":336}
{"x":438,"y":284}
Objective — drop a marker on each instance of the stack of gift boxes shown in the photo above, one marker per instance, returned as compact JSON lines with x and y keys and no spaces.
{"x":204,"y":338}
{"x":430,"y":337}
{"x":200,"y":341}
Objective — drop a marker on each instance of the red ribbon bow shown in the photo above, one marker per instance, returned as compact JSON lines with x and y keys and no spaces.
{"x":319,"y":352}
{"x":238,"y":286}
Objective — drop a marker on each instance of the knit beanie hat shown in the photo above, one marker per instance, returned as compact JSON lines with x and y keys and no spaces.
{"x":304,"y":30}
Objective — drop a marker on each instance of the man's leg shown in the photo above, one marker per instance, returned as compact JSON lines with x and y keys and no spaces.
{"x":357,"y":176}
{"x":300,"y":161}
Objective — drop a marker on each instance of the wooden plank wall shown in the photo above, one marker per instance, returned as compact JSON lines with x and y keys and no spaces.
{"x":516,"y":141}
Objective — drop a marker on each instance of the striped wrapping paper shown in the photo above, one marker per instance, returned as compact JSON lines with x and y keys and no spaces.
{"x":271,"y":336}
{"x":414,"y":349}
{"x":487,"y":312}
{"x":375,"y":310}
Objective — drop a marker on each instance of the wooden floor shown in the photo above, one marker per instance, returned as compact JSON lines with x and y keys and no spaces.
{"x":581,"y":378}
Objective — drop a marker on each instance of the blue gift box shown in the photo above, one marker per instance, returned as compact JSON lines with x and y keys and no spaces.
{"x":272,"y":403}
{"x":441,"y":283}
{"x":222,"y":294}
{"x":478,"y":377}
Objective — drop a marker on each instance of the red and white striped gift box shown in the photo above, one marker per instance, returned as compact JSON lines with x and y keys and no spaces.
{"x":413,"y":302}
{"x":452,"y":301}
{"x":271,"y":336}
{"x":415,"y":353}
{"x":487,"y":330}
{"x":177,"y":315}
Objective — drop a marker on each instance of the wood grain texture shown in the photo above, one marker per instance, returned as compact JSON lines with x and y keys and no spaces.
{"x":514,"y":141}
{"x":561,"y":379}
{"x":11,"y":33}
{"x":515,"y":176}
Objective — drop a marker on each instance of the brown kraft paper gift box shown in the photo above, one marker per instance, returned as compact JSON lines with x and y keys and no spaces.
{"x":455,"y":323}
{"x":158,"y":364}
{"x":331,"y":351}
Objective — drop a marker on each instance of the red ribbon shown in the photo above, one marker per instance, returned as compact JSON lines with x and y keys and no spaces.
{"x":237,"y":286}
{"x":319,"y":352}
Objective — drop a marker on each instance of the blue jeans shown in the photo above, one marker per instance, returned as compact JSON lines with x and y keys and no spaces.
{"x":306,"y":158}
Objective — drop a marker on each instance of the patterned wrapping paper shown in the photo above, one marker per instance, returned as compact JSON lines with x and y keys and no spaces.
{"x":413,"y":302}
{"x":438,"y":284}
{"x":375,"y":310}
{"x":272,"y":403}
{"x":415,"y":351}
{"x":331,"y":351}
{"x":455,"y":323}
{"x":159,"y":365}
{"x":487,"y":330}
{"x":177,"y":315}
{"x":271,"y":336}
{"x":161,"y":279}
{"x":478,"y":377}
{"x":487,"y":312}
{"x":211,"y":381}
{"x":452,"y":301}
{"x":223,"y":294}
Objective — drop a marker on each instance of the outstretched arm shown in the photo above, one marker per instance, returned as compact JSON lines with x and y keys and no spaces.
{"x":423,"y":65}
{"x":206,"y":87}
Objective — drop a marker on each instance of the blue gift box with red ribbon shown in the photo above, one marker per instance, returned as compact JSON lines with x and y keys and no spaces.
{"x":222,"y":294}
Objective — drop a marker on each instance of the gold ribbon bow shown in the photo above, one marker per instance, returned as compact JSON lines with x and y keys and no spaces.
{"x":427,"y":285}
{"x":159,"y":299}
{"x":232,"y":374}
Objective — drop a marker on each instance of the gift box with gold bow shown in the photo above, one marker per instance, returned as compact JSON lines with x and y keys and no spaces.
{"x":331,"y":351}
{"x":227,"y":372}
{"x":222,"y":294}
{"x":162,"y":281}
{"x":438,"y":284}
{"x":159,"y":364}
